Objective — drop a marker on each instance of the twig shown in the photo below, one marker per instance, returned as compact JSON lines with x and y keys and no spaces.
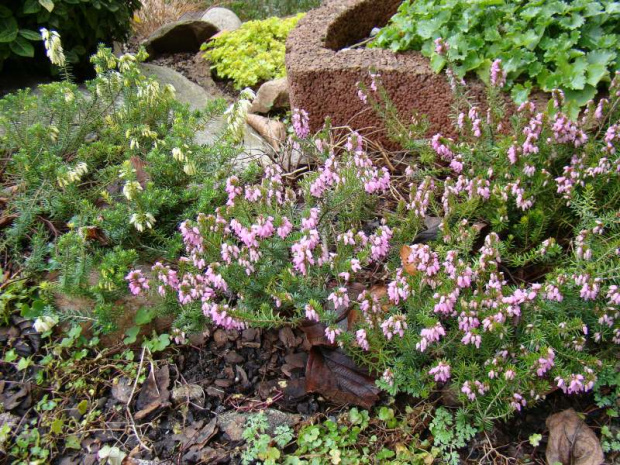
{"x":135,"y":384}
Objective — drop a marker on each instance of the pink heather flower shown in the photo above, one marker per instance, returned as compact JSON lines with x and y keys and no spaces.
{"x":192,"y":238}
{"x":471,"y":338}
{"x":301,"y":123}
{"x":302,"y":251}
{"x":396,"y":324}
{"x":544,"y":364}
{"x":378,"y":183}
{"x":355,"y":265}
{"x":612,"y":135}
{"x":340,"y":298}
{"x":233,"y":190}
{"x":312,"y":221}
{"x":553,"y":293}
{"x":285,"y":228}
{"x":369,"y":303}
{"x":419,"y":203}
{"x":441,"y":372}
{"x":380,"y":243}
{"x":467,"y":390}
{"x":264,"y":227}
{"x":219,"y":314}
{"x":332,"y":333}
{"x":446,"y":303}
{"x":513,"y":154}
{"x":598,"y":114}
{"x":137,"y":282}
{"x":441,"y":47}
{"x":518,"y":401}
{"x":430,"y":335}
{"x":509,"y":375}
{"x":424,"y":259}
{"x":440,"y":148}
{"x":362,"y":341}
{"x":373,"y":80}
{"x":464,"y":279}
{"x":613,"y":295}
{"x":311,"y":313}
{"x":361,"y":95}
{"x":229,"y":252}
{"x":498,"y":75}
{"x":565,"y":130}
{"x":388,"y":377}
{"x":398,"y":289}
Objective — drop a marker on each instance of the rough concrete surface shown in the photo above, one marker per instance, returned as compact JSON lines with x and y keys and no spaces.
{"x":323,"y":71}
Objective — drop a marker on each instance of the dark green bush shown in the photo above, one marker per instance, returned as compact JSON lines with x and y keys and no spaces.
{"x":82,"y":24}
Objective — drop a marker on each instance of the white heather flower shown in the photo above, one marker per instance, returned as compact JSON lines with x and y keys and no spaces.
{"x":131,"y":188}
{"x":53,"y":46}
{"x":45,"y":323}
{"x":178,"y":154}
{"x":141,"y":221}
{"x":190,"y":168}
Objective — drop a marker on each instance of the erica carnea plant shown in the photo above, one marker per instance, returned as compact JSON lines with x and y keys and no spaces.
{"x":492,"y":274}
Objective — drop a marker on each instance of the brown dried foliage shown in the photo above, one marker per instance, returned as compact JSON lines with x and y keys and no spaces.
{"x":156,"y":13}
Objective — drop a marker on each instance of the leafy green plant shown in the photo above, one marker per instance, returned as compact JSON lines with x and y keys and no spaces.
{"x":83,"y":24}
{"x":252,"y":54}
{"x":450,"y":433}
{"x":354,"y":436}
{"x":249,"y":10}
{"x":549,"y":44}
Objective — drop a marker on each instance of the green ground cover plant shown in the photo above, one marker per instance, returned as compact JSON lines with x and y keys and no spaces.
{"x":262,"y":9}
{"x":252,"y":54}
{"x":547,"y":45}
{"x":99,"y":177}
{"x":83,"y":24}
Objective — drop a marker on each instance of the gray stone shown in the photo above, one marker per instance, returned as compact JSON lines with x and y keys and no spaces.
{"x":222,"y":18}
{"x":255,"y":148}
{"x":180,"y":36}
{"x":233,"y":423}
{"x":272,"y":95}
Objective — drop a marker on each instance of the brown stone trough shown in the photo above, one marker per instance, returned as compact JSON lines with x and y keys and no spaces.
{"x":323,"y":71}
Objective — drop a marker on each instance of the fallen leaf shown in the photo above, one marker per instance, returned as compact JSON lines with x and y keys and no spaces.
{"x":405,"y":253}
{"x":121,"y":389}
{"x":571,"y":441}
{"x":335,"y":376}
{"x":154,"y":393}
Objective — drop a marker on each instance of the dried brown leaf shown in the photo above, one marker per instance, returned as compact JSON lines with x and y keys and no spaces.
{"x":571,"y":441}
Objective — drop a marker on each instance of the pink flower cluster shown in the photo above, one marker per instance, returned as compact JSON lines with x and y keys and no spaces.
{"x":137,"y":282}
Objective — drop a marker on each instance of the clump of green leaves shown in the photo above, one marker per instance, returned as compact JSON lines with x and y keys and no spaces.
{"x":81,"y":23}
{"x":450,"y":433}
{"x":548,"y":44}
{"x":252,"y":54}
{"x":355,"y":436}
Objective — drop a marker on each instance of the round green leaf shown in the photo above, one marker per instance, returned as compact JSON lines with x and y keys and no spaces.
{"x":30,"y":35}
{"x":47,"y":4}
{"x":22,"y":47}
{"x":8,"y":29}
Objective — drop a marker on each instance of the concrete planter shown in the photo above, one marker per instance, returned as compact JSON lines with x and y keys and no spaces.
{"x":323,"y":73}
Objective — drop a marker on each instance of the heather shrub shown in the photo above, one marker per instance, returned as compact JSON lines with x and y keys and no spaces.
{"x":83,"y":24}
{"x":252,"y":54}
{"x":99,"y":179}
{"x":491,"y":275}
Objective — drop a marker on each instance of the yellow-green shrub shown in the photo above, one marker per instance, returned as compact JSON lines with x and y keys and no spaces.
{"x":253,"y":53}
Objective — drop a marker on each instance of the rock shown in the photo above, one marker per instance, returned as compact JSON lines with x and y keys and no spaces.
{"x":571,"y":441}
{"x":233,"y":423}
{"x":121,"y":389}
{"x":233,"y":357}
{"x":187,"y":392}
{"x":186,"y":91}
{"x":220,"y":337}
{"x":180,"y":36}
{"x":272,"y":95}
{"x":249,"y":334}
{"x":222,"y":18}
{"x":254,"y":147}
{"x":274,"y":132}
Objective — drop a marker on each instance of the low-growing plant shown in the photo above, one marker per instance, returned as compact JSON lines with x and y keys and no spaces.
{"x":510,"y":293}
{"x":101,"y":178}
{"x":83,"y":24}
{"x":252,"y":54}
{"x":354,"y":436}
{"x":549,"y":45}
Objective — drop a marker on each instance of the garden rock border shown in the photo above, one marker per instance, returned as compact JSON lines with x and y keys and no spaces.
{"x":323,"y":70}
